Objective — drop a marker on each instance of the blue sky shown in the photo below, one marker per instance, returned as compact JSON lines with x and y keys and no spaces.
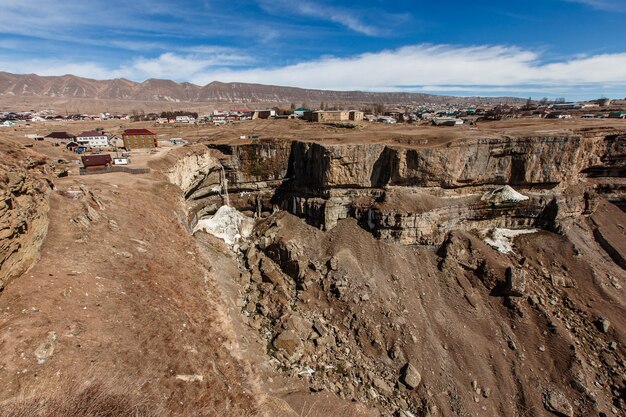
{"x":554,"y":48}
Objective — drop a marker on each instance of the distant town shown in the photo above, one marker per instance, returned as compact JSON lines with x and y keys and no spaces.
{"x":435,"y":113}
{"x":98,"y":141}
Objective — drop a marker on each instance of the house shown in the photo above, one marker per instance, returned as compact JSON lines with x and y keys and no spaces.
{"x":299,"y":112}
{"x":617,"y":115}
{"x":139,"y":139}
{"x":388,"y":120}
{"x":263,"y":114}
{"x":356,"y":115}
{"x":185,"y":119}
{"x":447,"y":121}
{"x":76,"y":147}
{"x":558,"y":115}
{"x":566,"y":106}
{"x":60,"y":137}
{"x":35,"y":137}
{"x":327,"y":116}
{"x":93,"y":139}
{"x":96,"y":161}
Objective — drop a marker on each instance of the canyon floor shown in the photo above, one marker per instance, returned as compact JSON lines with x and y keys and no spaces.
{"x":366,"y":285}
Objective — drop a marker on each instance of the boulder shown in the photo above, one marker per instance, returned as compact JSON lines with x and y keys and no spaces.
{"x":603,"y":325}
{"x":287,"y":341}
{"x":515,"y":282}
{"x":555,"y":402}
{"x":410,"y":376}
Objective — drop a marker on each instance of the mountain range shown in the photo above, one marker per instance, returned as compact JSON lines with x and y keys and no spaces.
{"x":156,"y":90}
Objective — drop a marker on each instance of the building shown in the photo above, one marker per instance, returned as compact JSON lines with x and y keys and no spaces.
{"x":558,"y":115}
{"x":333,"y":116}
{"x":185,"y":119}
{"x":447,"y":121}
{"x":121,"y":160}
{"x":139,"y":139}
{"x":93,"y":139}
{"x":356,"y":115}
{"x":327,"y":116}
{"x":566,"y":106}
{"x":617,"y":115}
{"x":263,"y":114}
{"x":61,"y":137}
{"x":299,"y":112}
{"x":96,"y":161}
{"x":35,"y":137}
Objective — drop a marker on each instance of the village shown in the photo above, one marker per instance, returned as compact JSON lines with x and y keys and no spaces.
{"x":121,"y":142}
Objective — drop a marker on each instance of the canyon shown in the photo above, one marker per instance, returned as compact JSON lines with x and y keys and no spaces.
{"x":474,"y":273}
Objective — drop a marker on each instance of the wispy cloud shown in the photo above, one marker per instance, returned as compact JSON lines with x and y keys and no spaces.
{"x":608,"y":5}
{"x":358,"y":20}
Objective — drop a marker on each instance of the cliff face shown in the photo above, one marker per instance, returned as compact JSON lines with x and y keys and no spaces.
{"x":522,"y":162}
{"x":412,"y":195}
{"x":24,"y":191}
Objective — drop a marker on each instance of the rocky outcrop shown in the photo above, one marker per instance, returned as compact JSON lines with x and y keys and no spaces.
{"x":24,"y":192}
{"x":412,"y":195}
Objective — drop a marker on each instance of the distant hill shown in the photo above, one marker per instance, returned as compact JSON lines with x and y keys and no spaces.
{"x":154,"y":90}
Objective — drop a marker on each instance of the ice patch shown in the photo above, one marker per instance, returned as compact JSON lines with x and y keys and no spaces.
{"x":502,"y":239}
{"x":227,"y":224}
{"x":503,"y":195}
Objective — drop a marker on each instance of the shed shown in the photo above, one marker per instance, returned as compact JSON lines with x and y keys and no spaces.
{"x":96,"y":161}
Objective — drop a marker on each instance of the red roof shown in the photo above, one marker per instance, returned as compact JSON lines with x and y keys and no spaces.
{"x":91,"y":134}
{"x":96,"y":160}
{"x":138,"y":132}
{"x":61,"y":135}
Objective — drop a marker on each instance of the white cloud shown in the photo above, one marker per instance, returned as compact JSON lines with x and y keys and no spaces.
{"x":481,"y":69}
{"x":442,"y":65}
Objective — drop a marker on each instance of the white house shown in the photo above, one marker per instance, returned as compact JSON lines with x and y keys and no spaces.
{"x":121,"y":160}
{"x":185,"y":119}
{"x":93,"y":139}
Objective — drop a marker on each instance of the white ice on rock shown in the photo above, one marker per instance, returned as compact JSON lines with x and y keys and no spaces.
{"x":503,"y":195}
{"x":227,"y":224}
{"x":502,"y":239}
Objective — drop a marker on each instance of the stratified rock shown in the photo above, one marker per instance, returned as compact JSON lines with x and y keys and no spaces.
{"x":410,"y":376}
{"x":555,"y":402}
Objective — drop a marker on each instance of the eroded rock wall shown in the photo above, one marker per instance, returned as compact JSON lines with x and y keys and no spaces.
{"x":24,"y":193}
{"x":412,"y":195}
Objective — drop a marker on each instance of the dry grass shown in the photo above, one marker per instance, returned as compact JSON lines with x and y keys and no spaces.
{"x":94,"y":399}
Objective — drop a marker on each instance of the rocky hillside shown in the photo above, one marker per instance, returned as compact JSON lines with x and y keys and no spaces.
{"x":25,"y":184}
{"x":70,"y":86}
